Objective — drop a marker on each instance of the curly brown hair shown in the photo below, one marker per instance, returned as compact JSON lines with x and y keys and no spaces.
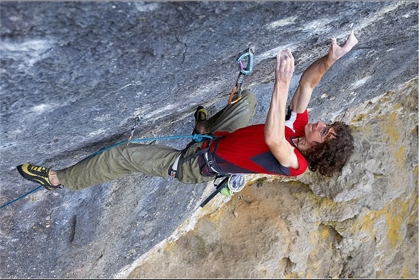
{"x":330,"y":156}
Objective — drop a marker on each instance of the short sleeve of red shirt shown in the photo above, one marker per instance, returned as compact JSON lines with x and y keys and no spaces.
{"x":294,"y":127}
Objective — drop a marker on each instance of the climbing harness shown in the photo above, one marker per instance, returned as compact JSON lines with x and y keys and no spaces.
{"x":247,"y":55}
{"x":203,"y":158}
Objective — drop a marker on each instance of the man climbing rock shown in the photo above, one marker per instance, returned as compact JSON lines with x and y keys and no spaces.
{"x":286,"y":144}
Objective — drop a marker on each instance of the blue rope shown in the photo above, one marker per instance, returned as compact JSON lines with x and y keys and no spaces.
{"x":13,"y":201}
{"x":195,"y":137}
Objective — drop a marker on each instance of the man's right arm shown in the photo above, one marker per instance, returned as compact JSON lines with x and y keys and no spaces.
{"x":275,"y":120}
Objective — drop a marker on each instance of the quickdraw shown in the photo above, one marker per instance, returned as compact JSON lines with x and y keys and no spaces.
{"x":235,"y":94}
{"x":134,"y":125}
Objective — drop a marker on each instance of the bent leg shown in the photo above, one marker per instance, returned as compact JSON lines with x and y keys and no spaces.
{"x":233,"y":116}
{"x":154,"y":160}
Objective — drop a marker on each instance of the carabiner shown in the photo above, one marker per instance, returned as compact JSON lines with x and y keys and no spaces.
{"x":133,"y":127}
{"x":235,"y":94}
{"x":246,"y":70}
{"x":238,"y":93}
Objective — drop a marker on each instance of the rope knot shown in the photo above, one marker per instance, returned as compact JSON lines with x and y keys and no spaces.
{"x":200,"y":137}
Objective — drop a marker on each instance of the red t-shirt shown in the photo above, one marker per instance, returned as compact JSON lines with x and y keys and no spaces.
{"x":245,"y":150}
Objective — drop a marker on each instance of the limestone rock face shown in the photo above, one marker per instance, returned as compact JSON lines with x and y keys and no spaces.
{"x":75,"y":75}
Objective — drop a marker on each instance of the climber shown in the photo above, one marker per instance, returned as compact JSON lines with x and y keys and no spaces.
{"x":286,"y":144}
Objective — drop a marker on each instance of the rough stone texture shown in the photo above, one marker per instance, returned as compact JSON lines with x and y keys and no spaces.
{"x":74,"y":75}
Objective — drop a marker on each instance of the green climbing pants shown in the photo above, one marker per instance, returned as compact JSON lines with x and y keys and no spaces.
{"x":155,"y":160}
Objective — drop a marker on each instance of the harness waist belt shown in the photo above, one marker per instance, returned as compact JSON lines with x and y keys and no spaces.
{"x":210,"y":163}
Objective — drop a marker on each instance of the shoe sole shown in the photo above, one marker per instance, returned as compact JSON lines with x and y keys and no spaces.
{"x":200,"y":114}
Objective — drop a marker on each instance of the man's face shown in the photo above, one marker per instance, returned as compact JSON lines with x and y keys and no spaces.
{"x":318,"y":132}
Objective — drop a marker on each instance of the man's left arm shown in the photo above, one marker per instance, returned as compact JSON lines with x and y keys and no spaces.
{"x":313,"y":74}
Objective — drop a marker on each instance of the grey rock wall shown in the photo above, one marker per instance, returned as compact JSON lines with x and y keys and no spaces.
{"x":74,"y":75}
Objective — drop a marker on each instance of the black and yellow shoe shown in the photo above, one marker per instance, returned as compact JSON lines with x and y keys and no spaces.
{"x":200,"y":114}
{"x":37,"y":174}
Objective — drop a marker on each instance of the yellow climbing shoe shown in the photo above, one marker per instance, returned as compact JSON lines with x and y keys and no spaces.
{"x":37,"y":174}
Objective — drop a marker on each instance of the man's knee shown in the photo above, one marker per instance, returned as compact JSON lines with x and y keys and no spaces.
{"x":250,"y":97}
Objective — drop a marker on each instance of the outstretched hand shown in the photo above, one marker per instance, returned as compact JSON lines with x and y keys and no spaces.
{"x":284,"y":66}
{"x":336,"y":51}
